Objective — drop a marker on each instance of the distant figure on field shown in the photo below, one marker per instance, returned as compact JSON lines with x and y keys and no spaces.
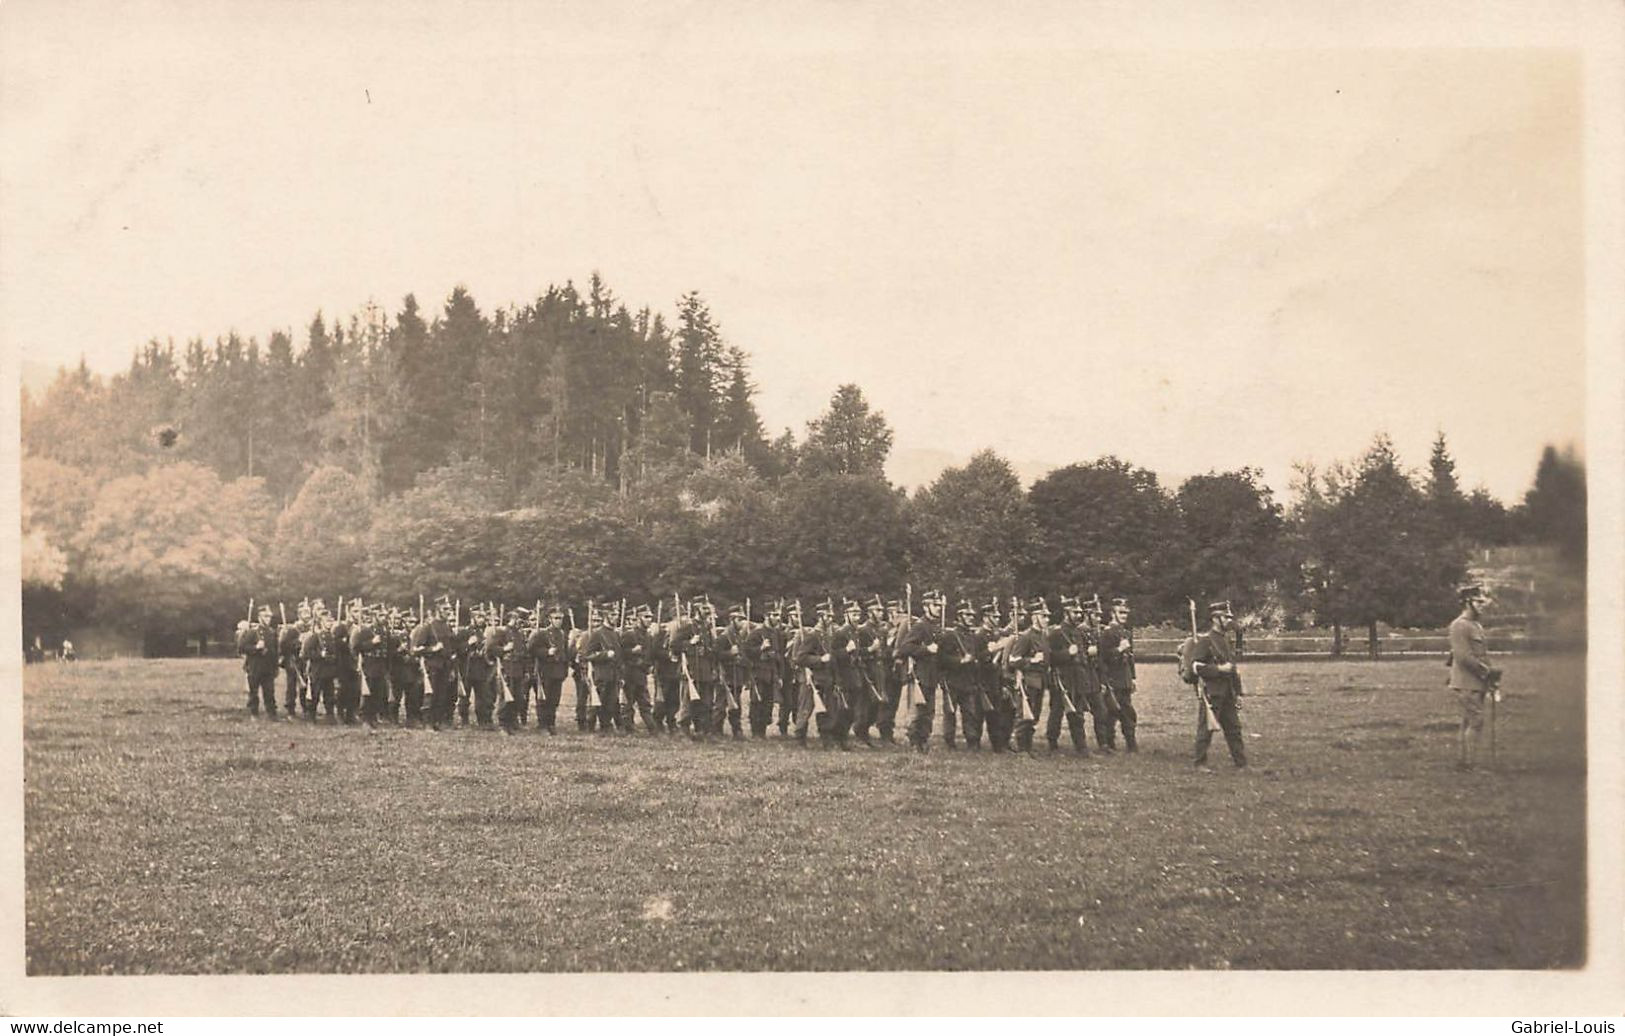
{"x":1471,"y":675}
{"x":67,"y":654}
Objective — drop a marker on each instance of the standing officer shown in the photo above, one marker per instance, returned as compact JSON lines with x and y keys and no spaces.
{"x":764,"y":650}
{"x":917,"y":646}
{"x":1472,"y":678}
{"x":1213,"y":657}
{"x":257,"y":643}
{"x":550,"y":647}
{"x":1116,"y":664}
{"x":1029,"y":660}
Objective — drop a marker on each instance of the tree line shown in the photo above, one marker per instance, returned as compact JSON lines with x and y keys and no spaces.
{"x":571,"y":448}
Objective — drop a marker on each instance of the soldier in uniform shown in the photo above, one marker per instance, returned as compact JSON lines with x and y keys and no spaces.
{"x":1214,"y":658}
{"x":918,"y":646}
{"x":815,"y":655}
{"x":1073,"y":686}
{"x":892,"y":666}
{"x":369,"y":650}
{"x":1029,"y":659}
{"x":346,"y":676}
{"x":405,"y":674}
{"x":1116,"y":665}
{"x":434,"y":645}
{"x":512,"y":674}
{"x":870,"y":697}
{"x":1472,"y":677}
{"x":764,"y":653}
{"x":600,"y":655}
{"x":962,"y":694}
{"x":319,"y":653}
{"x":550,"y":647}
{"x":733,"y":671}
{"x":668,"y":675}
{"x":288,"y":638}
{"x":696,"y":642}
{"x":790,"y":674}
{"x":851,"y":690}
{"x":999,"y":715}
{"x":637,"y":649}
{"x":257,"y":643}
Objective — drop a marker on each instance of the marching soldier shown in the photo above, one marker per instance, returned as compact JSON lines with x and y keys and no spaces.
{"x":764,"y":651}
{"x":257,"y":643}
{"x":1029,"y":660}
{"x":550,"y":647}
{"x":961,"y":679}
{"x":1214,"y":658}
{"x":369,"y":649}
{"x":288,"y":638}
{"x":1072,"y":678}
{"x":405,"y":675}
{"x":434,"y":645}
{"x":918,"y":646}
{"x":1116,"y":663}
{"x":1472,"y":677}
{"x":637,"y":649}
{"x":472,"y":668}
{"x":319,"y":652}
{"x":600,"y":654}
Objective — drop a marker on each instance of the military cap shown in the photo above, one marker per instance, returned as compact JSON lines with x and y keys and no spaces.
{"x":825,"y":607}
{"x":852,"y":605}
{"x":520,"y":614}
{"x":736,"y":611}
{"x":555,"y":610}
{"x":895,"y":605}
{"x":775,"y":607}
{"x":876,"y":602}
{"x":990,"y":609}
{"x":1038,"y":604}
{"x":644,"y":610}
{"x":1218,"y":607}
{"x":1069,"y":603}
{"x":1092,"y":606}
{"x":1119,"y":602}
{"x":967,"y":608}
{"x":1471,"y":592}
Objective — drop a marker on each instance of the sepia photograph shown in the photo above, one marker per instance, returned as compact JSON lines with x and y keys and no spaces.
{"x":512,"y":493}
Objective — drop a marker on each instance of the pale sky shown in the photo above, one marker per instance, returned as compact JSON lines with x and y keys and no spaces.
{"x":1012,"y":232}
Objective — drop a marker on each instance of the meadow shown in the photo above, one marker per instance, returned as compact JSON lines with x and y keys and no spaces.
{"x":168,"y":832}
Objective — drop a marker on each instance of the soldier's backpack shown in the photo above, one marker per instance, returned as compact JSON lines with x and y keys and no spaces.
{"x":1187,"y":652}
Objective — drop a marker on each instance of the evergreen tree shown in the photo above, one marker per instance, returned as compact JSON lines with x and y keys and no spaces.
{"x":847,"y":439}
{"x":1556,"y":504}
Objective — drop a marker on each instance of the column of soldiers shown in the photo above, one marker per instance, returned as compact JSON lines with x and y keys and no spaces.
{"x":847,"y":678}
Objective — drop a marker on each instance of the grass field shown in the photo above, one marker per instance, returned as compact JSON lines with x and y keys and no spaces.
{"x":167,"y":832}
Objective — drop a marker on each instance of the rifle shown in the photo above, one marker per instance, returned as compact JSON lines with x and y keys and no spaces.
{"x":1210,"y":719}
